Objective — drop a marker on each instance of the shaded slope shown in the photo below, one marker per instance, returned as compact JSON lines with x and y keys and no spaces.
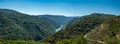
{"x":18,"y":26}
{"x":61,"y":20}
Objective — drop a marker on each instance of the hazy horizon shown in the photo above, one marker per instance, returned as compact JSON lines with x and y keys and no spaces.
{"x":62,"y":7}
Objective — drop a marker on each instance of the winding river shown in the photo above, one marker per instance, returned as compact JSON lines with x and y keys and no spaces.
{"x":58,"y":29}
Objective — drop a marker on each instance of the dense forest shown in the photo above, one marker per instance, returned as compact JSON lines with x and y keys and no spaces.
{"x":91,"y":29}
{"x":18,"y":26}
{"x":61,"y":20}
{"x":96,"y":28}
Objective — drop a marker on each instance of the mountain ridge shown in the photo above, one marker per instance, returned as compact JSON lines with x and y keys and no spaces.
{"x":80,"y":26}
{"x":61,"y":20}
{"x":22,"y":26}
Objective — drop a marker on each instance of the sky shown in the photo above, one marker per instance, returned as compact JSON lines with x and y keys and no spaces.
{"x":62,"y":7}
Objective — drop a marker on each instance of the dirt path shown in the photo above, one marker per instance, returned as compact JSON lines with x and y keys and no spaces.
{"x":93,"y":40}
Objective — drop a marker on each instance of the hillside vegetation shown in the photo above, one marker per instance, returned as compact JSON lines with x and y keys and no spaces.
{"x":97,"y":28}
{"x":80,"y":26}
{"x":61,"y":20}
{"x":17,"y":26}
{"x":108,"y":32}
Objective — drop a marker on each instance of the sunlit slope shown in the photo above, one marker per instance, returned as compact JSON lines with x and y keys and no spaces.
{"x":108,"y":32}
{"x":79,"y":26}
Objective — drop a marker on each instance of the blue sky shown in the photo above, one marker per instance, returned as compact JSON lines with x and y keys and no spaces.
{"x":63,"y":7}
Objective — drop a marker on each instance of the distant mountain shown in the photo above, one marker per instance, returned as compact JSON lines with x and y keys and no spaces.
{"x":78,"y":26}
{"x":61,"y":20}
{"x":18,"y":26}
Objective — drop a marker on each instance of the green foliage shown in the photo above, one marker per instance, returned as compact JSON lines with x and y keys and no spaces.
{"x":79,"y":26}
{"x":64,"y":41}
{"x":18,"y":42}
{"x":79,"y":40}
{"x":18,"y":26}
{"x":108,"y":31}
{"x":76,"y":40}
{"x":61,"y":20}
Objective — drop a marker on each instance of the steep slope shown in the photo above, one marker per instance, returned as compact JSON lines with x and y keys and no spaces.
{"x":80,"y":26}
{"x":61,"y":20}
{"x":17,"y":26}
{"x":56,"y":24}
{"x":107,"y":33}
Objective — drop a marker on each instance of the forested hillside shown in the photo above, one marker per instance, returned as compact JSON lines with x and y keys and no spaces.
{"x":79,"y":27}
{"x":108,"y":32}
{"x":18,"y":26}
{"x":96,"y":28}
{"x":61,"y":20}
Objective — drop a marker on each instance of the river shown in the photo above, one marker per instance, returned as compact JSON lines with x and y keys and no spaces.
{"x":58,"y":29}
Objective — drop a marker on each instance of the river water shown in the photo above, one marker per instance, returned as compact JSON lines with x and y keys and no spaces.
{"x":58,"y":29}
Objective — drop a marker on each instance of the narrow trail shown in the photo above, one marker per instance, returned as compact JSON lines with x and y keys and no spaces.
{"x":93,"y":40}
